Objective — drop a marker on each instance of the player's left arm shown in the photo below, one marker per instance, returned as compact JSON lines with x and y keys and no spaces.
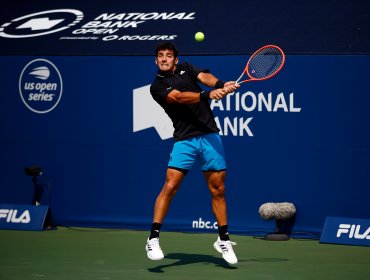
{"x":207,"y":79}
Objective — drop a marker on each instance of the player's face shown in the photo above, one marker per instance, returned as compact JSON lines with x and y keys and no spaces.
{"x":166,"y":60}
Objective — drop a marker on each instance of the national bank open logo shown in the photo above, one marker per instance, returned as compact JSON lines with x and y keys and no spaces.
{"x":41,"y":23}
{"x":40,"y":86}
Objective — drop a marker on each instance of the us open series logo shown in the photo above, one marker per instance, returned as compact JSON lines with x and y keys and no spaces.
{"x":40,"y":86}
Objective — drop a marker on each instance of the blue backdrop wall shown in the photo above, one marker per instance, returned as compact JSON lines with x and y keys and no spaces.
{"x":90,"y":123}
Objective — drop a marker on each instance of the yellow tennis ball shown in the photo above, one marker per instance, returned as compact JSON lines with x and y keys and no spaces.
{"x":199,"y":36}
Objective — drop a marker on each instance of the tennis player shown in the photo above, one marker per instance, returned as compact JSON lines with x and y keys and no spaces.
{"x":196,"y":137}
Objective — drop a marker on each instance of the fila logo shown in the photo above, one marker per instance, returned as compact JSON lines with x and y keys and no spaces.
{"x":353,"y":231}
{"x":11,"y":216}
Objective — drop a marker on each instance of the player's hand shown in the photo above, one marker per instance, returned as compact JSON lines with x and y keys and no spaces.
{"x":217,"y":94}
{"x":230,"y":87}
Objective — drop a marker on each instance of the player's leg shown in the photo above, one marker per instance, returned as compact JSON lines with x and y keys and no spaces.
{"x":173,"y":180}
{"x":182,"y":158}
{"x":215,"y":182}
{"x":214,"y":167}
{"x":223,"y":245}
{"x":162,"y":203}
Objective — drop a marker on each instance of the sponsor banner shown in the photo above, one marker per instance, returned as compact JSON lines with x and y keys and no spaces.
{"x":203,"y":224}
{"x":147,"y":113}
{"x":349,"y":231}
{"x":299,"y":133}
{"x":133,"y":27}
{"x":22,"y":217}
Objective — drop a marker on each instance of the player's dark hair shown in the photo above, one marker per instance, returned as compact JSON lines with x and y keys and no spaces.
{"x":166,"y":46}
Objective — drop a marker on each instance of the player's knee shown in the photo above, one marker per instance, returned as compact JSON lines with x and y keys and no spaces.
{"x":218,"y":191}
{"x":170,"y":188}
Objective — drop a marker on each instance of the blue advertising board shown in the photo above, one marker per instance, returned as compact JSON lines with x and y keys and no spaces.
{"x":103,"y":144}
{"x":22,"y":217}
{"x":348,"y":231}
{"x":75,"y":100}
{"x":109,"y":27}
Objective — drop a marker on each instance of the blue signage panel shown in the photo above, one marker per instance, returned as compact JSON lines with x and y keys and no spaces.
{"x":348,"y":231}
{"x":22,"y":217}
{"x":103,"y":143}
{"x":108,"y":27}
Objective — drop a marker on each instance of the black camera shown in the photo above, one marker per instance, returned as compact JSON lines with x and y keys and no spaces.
{"x":33,"y":170}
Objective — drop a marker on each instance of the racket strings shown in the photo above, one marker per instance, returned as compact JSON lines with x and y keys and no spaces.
{"x":265,"y":63}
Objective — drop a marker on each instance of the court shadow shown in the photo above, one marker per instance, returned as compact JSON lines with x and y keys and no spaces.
{"x":185,"y":259}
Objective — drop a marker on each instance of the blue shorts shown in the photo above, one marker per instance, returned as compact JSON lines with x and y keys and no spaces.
{"x":208,"y":149}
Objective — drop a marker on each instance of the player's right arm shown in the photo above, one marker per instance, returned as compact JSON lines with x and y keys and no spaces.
{"x":188,"y":97}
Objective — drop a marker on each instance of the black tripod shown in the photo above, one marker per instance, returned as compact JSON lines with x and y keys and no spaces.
{"x":35,"y":172}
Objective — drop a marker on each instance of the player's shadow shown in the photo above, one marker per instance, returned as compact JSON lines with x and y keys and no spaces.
{"x":185,"y":259}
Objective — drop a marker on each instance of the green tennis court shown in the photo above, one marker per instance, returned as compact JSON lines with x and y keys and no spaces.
{"x":105,"y":254}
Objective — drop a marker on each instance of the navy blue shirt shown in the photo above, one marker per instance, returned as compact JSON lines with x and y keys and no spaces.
{"x":189,"y":120}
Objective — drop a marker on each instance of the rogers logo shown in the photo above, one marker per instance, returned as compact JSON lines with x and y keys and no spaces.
{"x":40,"y":86}
{"x":41,"y":23}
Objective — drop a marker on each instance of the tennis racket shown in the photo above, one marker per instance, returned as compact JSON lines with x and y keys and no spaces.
{"x":264,"y":63}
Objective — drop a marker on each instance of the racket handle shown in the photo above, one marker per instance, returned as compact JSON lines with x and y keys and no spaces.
{"x":237,"y":81}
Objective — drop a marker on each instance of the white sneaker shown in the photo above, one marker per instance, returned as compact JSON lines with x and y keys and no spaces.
{"x":153,"y":249}
{"x":226,"y":249}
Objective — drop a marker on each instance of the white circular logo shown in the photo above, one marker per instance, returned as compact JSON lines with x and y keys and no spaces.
{"x":41,"y":23}
{"x":40,"y":86}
